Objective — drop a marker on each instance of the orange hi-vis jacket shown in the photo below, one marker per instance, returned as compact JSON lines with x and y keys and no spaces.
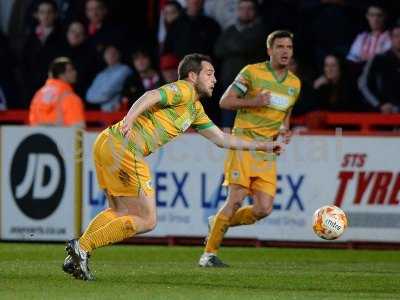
{"x":56,"y":104}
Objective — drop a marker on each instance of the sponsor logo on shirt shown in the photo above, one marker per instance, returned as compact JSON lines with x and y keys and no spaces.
{"x":279,"y":102}
{"x":186,"y":124}
{"x":173,"y":87}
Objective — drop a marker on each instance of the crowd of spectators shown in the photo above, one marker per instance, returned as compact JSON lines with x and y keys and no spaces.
{"x":347,"y":53}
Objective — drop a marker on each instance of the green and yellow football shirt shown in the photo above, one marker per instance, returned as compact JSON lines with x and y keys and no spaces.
{"x":178,"y":110}
{"x":264,"y":122}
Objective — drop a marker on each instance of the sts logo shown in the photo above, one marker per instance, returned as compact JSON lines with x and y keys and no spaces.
{"x":37,"y":176}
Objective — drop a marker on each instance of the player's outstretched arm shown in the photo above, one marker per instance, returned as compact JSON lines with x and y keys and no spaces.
{"x":232,"y":100}
{"x":284,"y":131}
{"x":149,"y":99}
{"x":226,"y":140}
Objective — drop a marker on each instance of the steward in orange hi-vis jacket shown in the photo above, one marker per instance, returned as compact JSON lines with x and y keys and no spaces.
{"x":56,"y":104}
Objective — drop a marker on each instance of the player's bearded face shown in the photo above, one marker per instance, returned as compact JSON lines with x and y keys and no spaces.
{"x":206,"y":80}
{"x":281,"y":51}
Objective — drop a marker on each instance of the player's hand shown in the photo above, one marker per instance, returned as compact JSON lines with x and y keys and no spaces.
{"x":275,"y":147}
{"x":286,"y":135}
{"x":262,"y":99}
{"x":126,"y":126}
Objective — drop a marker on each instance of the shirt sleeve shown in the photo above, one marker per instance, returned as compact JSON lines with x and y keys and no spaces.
{"x":355,"y":50}
{"x":174,"y":94}
{"x":367,"y":81}
{"x":242,"y":81}
{"x":201,"y":121}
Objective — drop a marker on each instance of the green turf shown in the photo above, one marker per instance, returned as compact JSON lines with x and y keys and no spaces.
{"x":33,"y":271}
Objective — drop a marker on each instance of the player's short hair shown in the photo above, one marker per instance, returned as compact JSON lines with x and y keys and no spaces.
{"x":277,"y":34}
{"x":191,"y":63}
{"x":58,"y":66}
{"x":52,"y":3}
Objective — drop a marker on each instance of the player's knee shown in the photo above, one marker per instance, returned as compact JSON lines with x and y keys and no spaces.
{"x":262,"y":211}
{"x":234,"y":203}
{"x":232,"y":206}
{"x":237,"y":205}
{"x":151,"y":223}
{"x":236,"y":196}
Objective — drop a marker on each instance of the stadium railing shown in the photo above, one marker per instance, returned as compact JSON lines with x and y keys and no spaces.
{"x":318,"y":120}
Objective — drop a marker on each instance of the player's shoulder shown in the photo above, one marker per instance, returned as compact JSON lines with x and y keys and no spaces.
{"x":180,"y":86}
{"x":198,"y":105}
{"x":294,"y":80}
{"x":251,"y":70}
{"x":260,"y":66}
{"x":172,"y":86}
{"x":177,"y":87}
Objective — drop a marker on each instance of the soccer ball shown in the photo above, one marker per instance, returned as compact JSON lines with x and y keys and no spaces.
{"x":329,"y":222}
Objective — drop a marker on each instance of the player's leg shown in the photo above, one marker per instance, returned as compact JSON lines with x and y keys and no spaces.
{"x":263,"y":190}
{"x":101,"y":153}
{"x":71,"y":264}
{"x":263,"y":187}
{"x":125,"y":177}
{"x":116,"y":207}
{"x":250,"y":214}
{"x":263,"y":204}
{"x":99,"y":221}
{"x":104,"y":216}
{"x":220,"y":224}
{"x":132,"y":205}
{"x":133,"y":215}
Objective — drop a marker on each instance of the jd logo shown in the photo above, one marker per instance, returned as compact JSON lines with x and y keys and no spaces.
{"x":37,"y":176}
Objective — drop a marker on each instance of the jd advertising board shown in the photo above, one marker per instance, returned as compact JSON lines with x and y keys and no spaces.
{"x":38,"y":183}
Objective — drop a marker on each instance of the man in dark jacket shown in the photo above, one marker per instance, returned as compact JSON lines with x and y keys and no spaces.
{"x":192,"y":32}
{"x":42,"y":46}
{"x":239,"y":45}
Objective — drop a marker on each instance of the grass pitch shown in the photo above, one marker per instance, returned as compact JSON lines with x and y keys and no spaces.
{"x":33,"y":271}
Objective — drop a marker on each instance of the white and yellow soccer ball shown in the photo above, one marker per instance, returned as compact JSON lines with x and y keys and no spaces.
{"x":329,"y":222}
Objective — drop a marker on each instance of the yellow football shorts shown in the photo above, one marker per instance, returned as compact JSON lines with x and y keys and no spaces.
{"x":118,"y":169}
{"x":254,"y":170}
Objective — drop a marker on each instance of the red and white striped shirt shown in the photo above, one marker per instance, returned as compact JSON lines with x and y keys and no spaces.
{"x":367,"y":44}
